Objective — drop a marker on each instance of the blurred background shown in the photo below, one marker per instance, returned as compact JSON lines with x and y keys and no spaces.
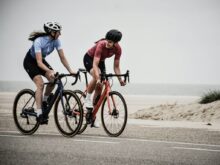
{"x":166,"y":44}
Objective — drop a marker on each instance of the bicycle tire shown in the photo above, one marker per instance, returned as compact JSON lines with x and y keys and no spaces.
{"x":20,"y":117}
{"x":120,"y":112}
{"x":82,"y":96}
{"x":72,"y":123}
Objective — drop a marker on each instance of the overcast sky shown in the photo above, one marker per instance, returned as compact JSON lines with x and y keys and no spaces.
{"x":164,"y":41}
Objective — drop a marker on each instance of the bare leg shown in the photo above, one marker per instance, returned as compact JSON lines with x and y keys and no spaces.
{"x":49,"y":87}
{"x":91,"y":86}
{"x":98,"y":91}
{"x":90,"y":89}
{"x":39,"y":91}
{"x":92,"y":83}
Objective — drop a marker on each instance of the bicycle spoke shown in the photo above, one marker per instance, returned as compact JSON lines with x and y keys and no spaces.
{"x":25,"y":102}
{"x":114,"y":119}
{"x":82,"y":96}
{"x":68,"y":114}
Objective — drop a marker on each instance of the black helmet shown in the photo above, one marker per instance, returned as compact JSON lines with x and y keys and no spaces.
{"x":113,"y":35}
{"x":52,"y":26}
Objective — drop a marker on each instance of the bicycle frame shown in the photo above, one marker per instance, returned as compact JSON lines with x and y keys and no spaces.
{"x":105,"y":93}
{"x":58,"y":93}
{"x":113,"y":108}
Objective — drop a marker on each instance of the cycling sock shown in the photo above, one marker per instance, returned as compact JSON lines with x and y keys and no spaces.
{"x":88,"y":96}
{"x":39,"y":112}
{"x":45,"y":98}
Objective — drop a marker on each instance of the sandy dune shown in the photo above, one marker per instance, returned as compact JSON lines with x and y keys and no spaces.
{"x":180,"y":112}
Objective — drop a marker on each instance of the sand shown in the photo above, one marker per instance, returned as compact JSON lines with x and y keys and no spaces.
{"x":176,"y":111}
{"x":157,"y":108}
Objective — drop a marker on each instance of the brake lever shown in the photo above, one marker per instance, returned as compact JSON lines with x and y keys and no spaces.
{"x":79,"y":76}
{"x":76,"y":78}
{"x":56,"y":74}
{"x":128,"y":75}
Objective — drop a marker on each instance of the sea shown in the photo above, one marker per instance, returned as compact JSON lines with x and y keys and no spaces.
{"x":129,"y":89}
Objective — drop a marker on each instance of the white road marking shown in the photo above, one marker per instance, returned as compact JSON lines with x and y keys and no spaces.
{"x":198,"y":149}
{"x":93,"y":141}
{"x":120,"y":139}
{"x":77,"y":140}
{"x":12,"y":136}
{"x":155,"y":141}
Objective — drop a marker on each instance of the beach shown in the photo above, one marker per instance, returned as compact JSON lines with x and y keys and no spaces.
{"x":151,"y":107}
{"x":185,"y":109}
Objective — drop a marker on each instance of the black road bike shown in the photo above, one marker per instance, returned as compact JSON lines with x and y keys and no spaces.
{"x":68,"y":112}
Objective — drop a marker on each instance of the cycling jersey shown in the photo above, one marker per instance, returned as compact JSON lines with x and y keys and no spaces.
{"x":44,"y":45}
{"x":100,"y":50}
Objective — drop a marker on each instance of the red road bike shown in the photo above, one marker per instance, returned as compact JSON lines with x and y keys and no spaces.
{"x":113,"y":106}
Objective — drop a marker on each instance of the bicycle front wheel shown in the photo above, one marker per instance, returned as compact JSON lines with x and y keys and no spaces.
{"x":82,"y":97}
{"x":23,"y":112}
{"x":68,"y":114}
{"x":114,"y":114}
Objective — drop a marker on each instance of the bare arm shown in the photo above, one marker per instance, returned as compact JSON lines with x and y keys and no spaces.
{"x":118,"y":71}
{"x":96,"y":68}
{"x":40,"y":62}
{"x":64,"y":61}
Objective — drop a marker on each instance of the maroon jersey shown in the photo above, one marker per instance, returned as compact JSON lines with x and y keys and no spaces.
{"x":100,"y":50}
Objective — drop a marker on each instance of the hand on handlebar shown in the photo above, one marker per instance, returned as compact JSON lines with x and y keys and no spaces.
{"x":123,"y":83}
{"x":73,"y":73}
{"x":99,"y":82}
{"x":50,"y":74}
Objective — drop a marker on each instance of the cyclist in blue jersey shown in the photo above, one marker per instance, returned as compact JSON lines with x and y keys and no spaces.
{"x":36,"y":66}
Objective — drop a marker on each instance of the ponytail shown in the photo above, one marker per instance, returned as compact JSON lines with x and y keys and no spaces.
{"x":35,"y":35}
{"x":99,"y":40}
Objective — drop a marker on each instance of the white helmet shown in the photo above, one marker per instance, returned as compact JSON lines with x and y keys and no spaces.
{"x":52,"y":26}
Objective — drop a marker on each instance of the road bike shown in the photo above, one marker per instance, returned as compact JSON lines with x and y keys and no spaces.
{"x":68,"y":112}
{"x":113,"y":106}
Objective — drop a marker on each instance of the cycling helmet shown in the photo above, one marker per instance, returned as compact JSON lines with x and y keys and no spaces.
{"x":113,"y":35}
{"x":52,"y":26}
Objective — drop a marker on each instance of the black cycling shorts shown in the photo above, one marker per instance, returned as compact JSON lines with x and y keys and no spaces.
{"x":88,"y":63}
{"x":31,"y":67}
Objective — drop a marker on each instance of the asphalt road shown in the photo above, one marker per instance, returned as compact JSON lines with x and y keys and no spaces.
{"x":139,"y":144}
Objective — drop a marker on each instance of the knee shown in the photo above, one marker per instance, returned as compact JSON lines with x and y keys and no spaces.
{"x":50,"y":85}
{"x":40,"y":86}
{"x":98,"y":87}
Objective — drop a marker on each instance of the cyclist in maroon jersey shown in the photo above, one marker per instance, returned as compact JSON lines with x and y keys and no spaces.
{"x":94,"y":62}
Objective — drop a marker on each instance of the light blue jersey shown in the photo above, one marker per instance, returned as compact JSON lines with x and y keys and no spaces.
{"x":44,"y":45}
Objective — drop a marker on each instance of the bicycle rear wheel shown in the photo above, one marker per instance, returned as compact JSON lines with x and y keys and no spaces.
{"x":114,"y":115}
{"x":68,"y":114}
{"x":24,"y":105}
{"x":82,"y":97}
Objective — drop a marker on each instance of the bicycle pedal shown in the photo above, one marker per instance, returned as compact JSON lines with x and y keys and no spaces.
{"x":92,"y":123}
{"x":89,"y":118}
{"x":44,"y":122}
{"x":23,"y":115}
{"x":88,"y":121}
{"x":89,"y":110}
